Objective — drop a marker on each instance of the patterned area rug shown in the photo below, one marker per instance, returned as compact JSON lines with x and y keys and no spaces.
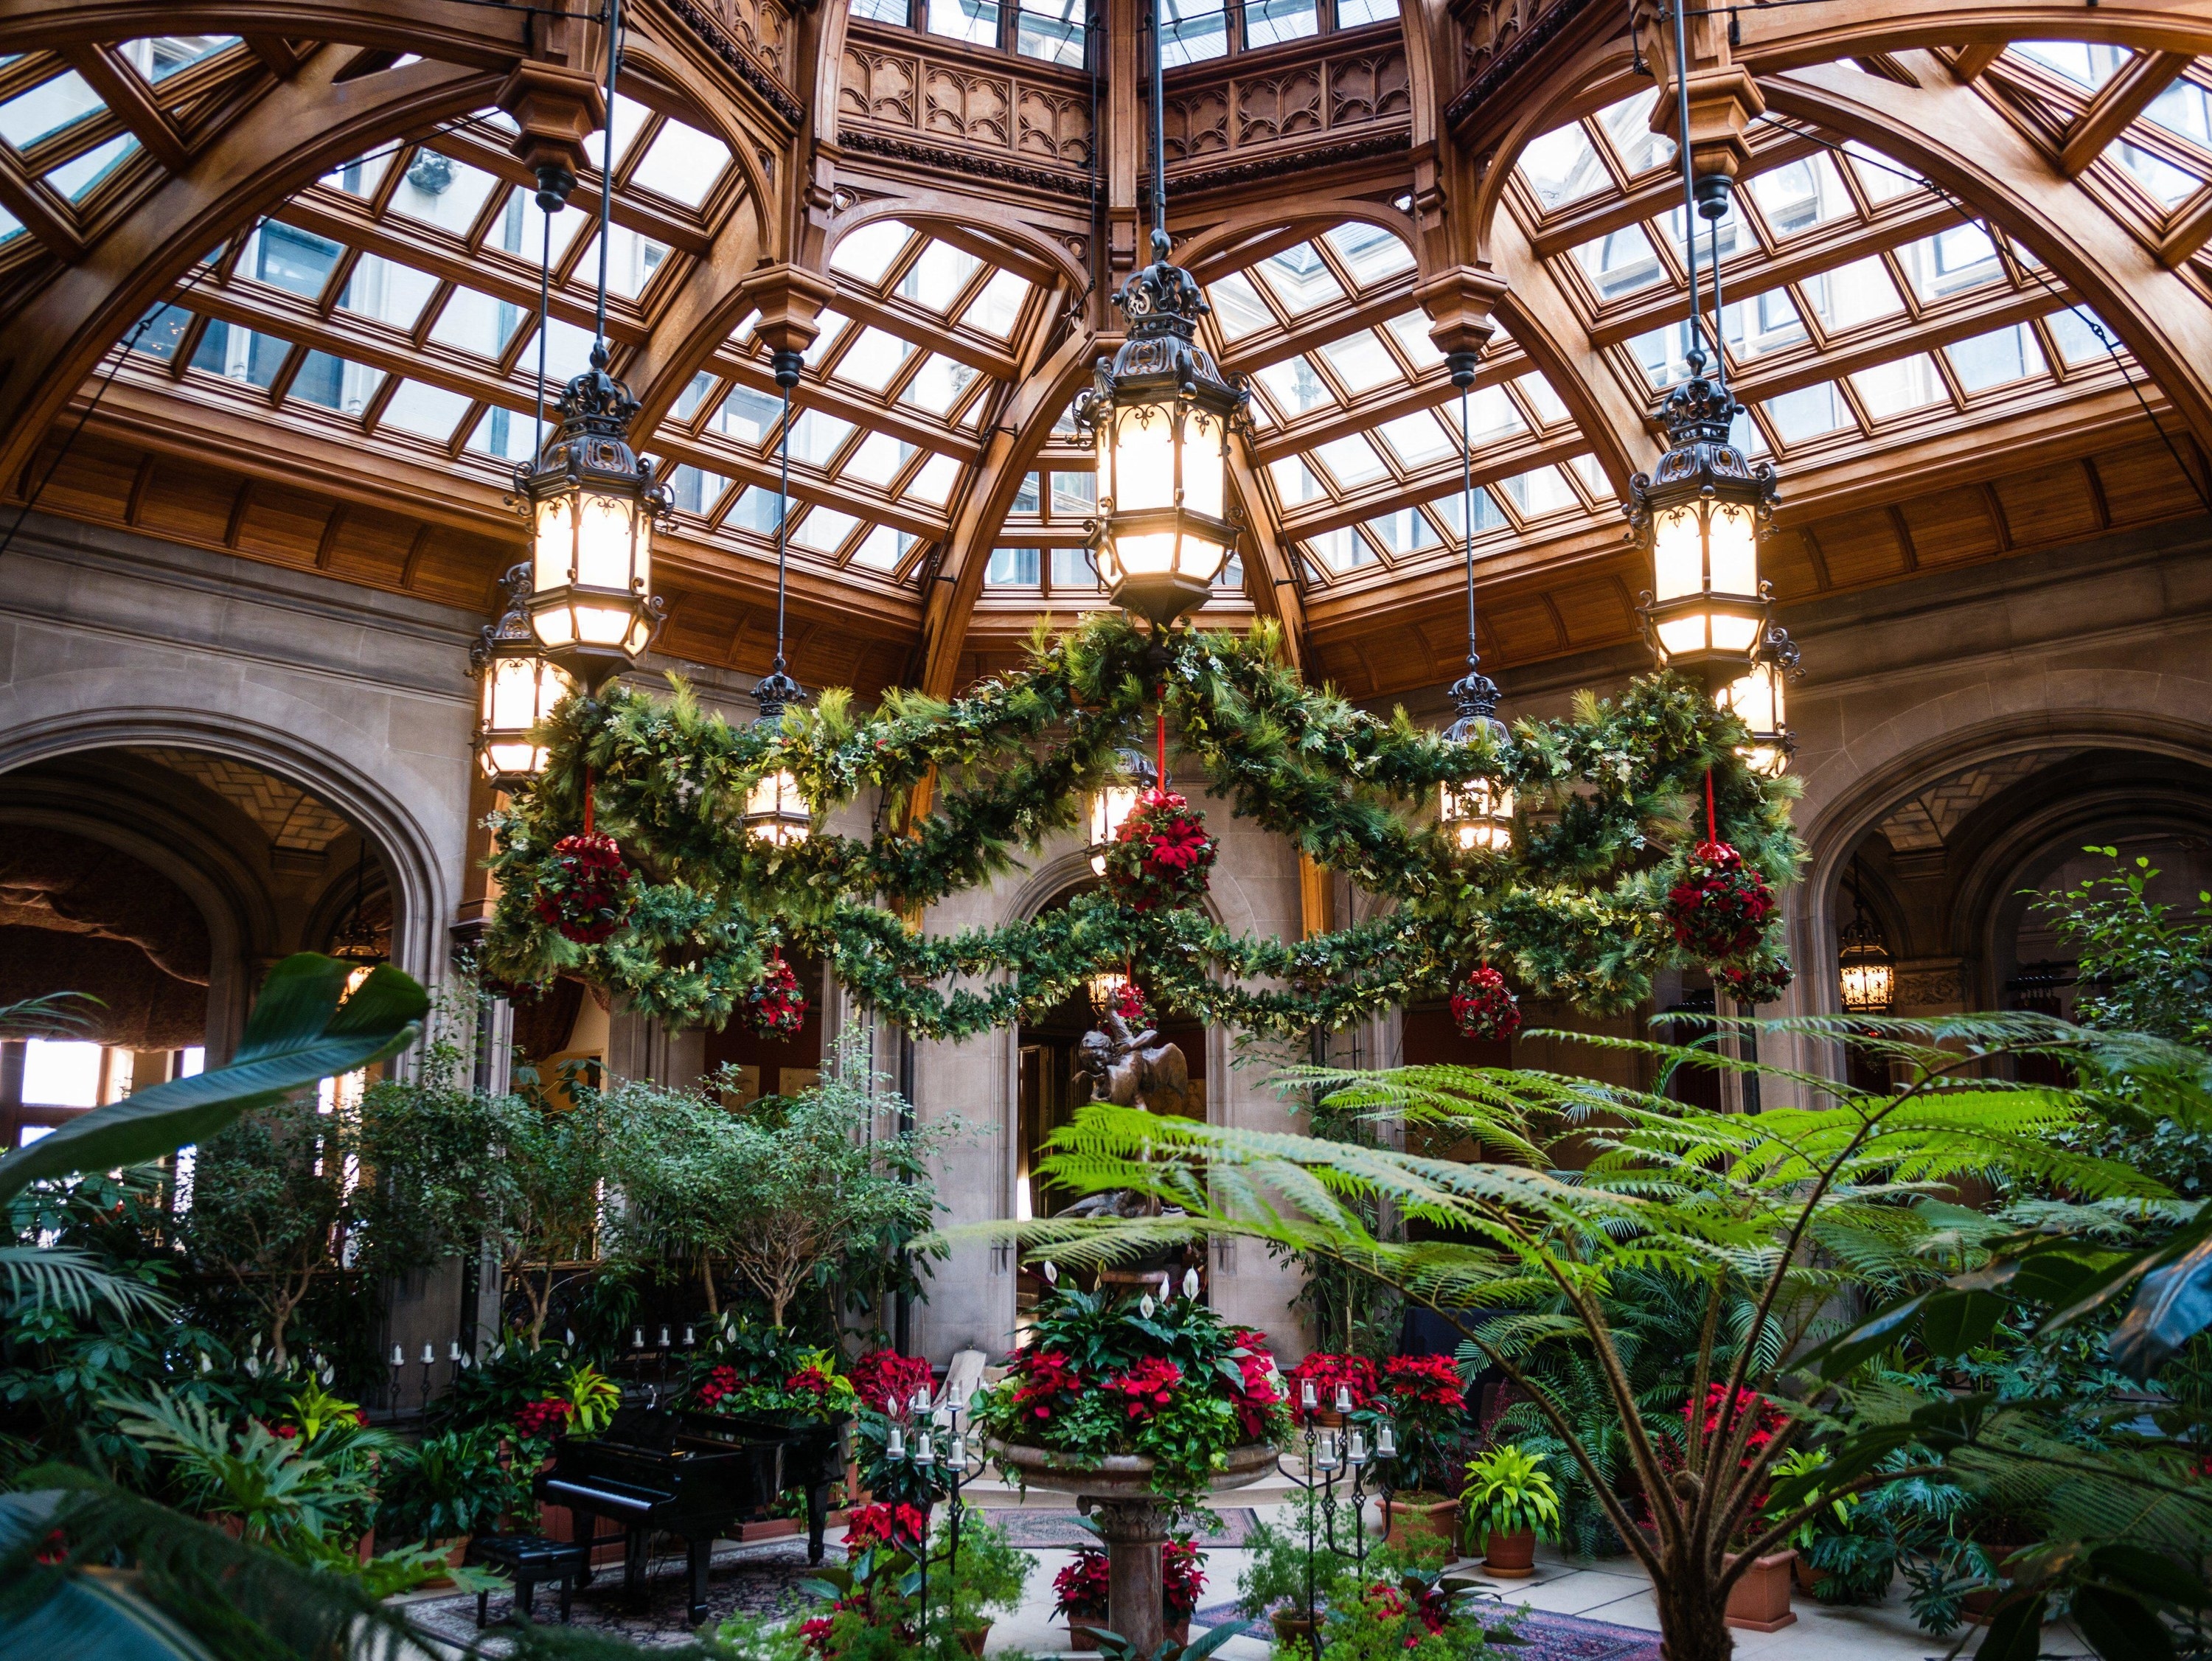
{"x":1546,"y":1637}
{"x":756,"y":1579}
{"x":1048,"y":1531}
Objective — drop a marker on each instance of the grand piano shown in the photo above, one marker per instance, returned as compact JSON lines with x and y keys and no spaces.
{"x":654,"y":1471}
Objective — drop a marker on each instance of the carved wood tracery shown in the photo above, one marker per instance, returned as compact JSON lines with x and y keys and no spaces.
{"x":1313,"y":102}
{"x":885,"y":93}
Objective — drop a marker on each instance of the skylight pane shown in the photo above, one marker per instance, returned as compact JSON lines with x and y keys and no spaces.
{"x":240,"y":355}
{"x":2164,"y":183}
{"x":883,"y":547}
{"x":696,"y":490}
{"x":1073,"y":572}
{"x":1351,"y":14}
{"x":1296,"y":386}
{"x":1451,"y":509}
{"x":828,"y":326}
{"x":1074,"y":496}
{"x":2077,"y":341}
{"x":1801,"y":195}
{"x":938,"y":384}
{"x":1051,"y":30}
{"x":47,"y":109}
{"x":473,"y":322}
{"x":1370,"y":253}
{"x":1299,"y":279}
{"x":1295,"y":482}
{"x":822,"y":529}
{"x":427,"y":411}
{"x":359,"y":177}
{"x":2087,"y":66}
{"x":754,"y":510}
{"x":1238,"y":311}
{"x":878,"y":459}
{"x":1013,"y":567}
{"x":81,"y":176}
{"x":1760,"y":325}
{"x":684,"y":165}
{"x":632,"y":259}
{"x":1362,"y":363}
{"x":156,"y":57}
{"x":1028,"y":498}
{"x":938,"y":276}
{"x":1192,"y":31}
{"x":1419,"y":439}
{"x":1411,"y":331}
{"x":387,"y":291}
{"x":867,"y":252}
{"x":746,"y":416}
{"x":1540,"y":397}
{"x":816,"y":437}
{"x":1882,"y":178}
{"x":1620,"y":261}
{"x":1268,"y":22}
{"x":567,"y":351}
{"x":441,"y":192}
{"x":998,"y":308}
{"x":9,"y":225}
{"x":1340,"y":551}
{"x":933,"y":483}
{"x":1852,"y":295}
{"x":1560,"y":167}
{"x":1992,"y":360}
{"x":299,"y":262}
{"x":1809,"y":413}
{"x":1540,"y":491}
{"x":630,"y":118}
{"x":694,"y":394}
{"x":1899,"y":386}
{"x":1404,"y":532}
{"x":334,"y":383}
{"x":872,"y":359}
{"x":976,"y":21}
{"x":2184,"y":109}
{"x":163,"y":332}
{"x":1628,"y":125}
{"x":882,"y":11}
{"x":1351,"y":460}
{"x":506,"y":434}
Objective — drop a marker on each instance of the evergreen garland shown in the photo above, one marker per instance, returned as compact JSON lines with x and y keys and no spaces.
{"x":1577,"y":910}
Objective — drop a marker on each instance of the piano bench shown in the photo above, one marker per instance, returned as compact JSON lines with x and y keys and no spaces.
{"x":530,"y":1558}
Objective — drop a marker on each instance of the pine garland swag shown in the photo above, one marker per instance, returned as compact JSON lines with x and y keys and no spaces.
{"x":1161,"y":855}
{"x":775,"y":1007}
{"x":584,"y":893}
{"x":1760,"y":981}
{"x":1484,"y":1007}
{"x":1576,"y":910}
{"x":1719,"y":909}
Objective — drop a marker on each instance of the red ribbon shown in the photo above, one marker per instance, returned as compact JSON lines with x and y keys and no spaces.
{"x":588,"y":801}
{"x":1712,"y":827}
{"x":1160,"y":782}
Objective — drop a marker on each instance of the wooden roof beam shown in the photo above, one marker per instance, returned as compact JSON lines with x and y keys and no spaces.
{"x":2119,"y":102}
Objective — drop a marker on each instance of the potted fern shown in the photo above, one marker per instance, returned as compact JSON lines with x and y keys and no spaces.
{"x":1510,"y":1502}
{"x":1421,"y":1401}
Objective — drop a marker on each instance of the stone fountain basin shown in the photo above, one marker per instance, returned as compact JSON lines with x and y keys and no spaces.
{"x":1121,"y":1476}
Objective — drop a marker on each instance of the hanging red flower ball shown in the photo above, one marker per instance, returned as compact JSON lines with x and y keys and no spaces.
{"x":1161,"y":855}
{"x":1720,"y":908}
{"x":1129,"y":1004}
{"x":586,"y":894}
{"x":1484,"y":1008}
{"x":1760,"y":981}
{"x":774,"y":1006}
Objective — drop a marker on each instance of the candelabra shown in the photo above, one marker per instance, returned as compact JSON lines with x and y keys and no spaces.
{"x":1331,"y":1452}
{"x":940,"y":1453}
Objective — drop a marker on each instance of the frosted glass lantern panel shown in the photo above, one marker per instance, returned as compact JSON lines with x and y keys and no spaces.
{"x":1144,"y":459}
{"x":603,"y":551}
{"x":1202,"y":465}
{"x":1734,"y":633}
{"x":1677,"y":554}
{"x":1683,"y":634}
{"x":555,"y":548}
{"x":1734,"y":548}
{"x":1148,"y":556}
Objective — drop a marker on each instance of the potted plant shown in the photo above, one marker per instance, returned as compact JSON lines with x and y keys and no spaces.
{"x":1510,"y":1502}
{"x":1339,"y":1384}
{"x":987,"y":1577}
{"x":1420,"y":1400}
{"x":1283,"y":1580}
{"x":445,"y":1490}
{"x":1079,"y":1593}
{"x":1816,"y":1525}
{"x":1400,"y":1608}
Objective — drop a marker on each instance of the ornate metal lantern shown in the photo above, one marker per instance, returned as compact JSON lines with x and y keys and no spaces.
{"x":775,"y":811}
{"x":592,"y":504}
{"x":1756,"y":696}
{"x":1160,"y":414}
{"x":1477,"y":812}
{"x":519,"y":689}
{"x":1865,"y":975}
{"x":1114,"y":802}
{"x":1700,"y":514}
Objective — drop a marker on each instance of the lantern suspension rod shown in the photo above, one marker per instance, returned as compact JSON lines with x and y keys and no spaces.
{"x":1159,"y":140}
{"x":787,"y":377}
{"x":1682,"y":151}
{"x":607,"y":164}
{"x":1463,"y":373}
{"x":544,"y":297}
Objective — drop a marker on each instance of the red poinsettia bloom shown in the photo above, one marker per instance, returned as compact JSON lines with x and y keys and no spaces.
{"x":1255,"y":1391}
{"x":1182,"y":1580}
{"x":546,"y":1417}
{"x":808,"y":1381}
{"x":1426,"y":1380}
{"x":1079,"y":1589}
{"x":1720,"y":908}
{"x":1048,"y":1380}
{"x":900,"y":1526}
{"x":720,"y":1382}
{"x":1148,"y":1386}
{"x":886,"y":1380}
{"x":1325,"y":1372}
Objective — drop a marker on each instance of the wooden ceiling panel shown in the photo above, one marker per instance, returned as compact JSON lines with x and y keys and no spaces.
{"x":1951,"y":527}
{"x":2050,"y":504}
{"x":1861,"y":548}
{"x":283,"y":524}
{"x":370,"y":547}
{"x":1788,"y":563}
{"x":2144,"y":481}
{"x":191,"y":504}
{"x":1526,"y":630}
{"x":1593,"y":613}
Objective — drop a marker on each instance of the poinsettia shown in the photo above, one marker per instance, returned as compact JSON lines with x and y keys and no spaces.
{"x":886,"y":1380}
{"x":899,"y":1525}
{"x":1720,"y":908}
{"x":547,"y":1418}
{"x":1325,"y":1371}
{"x":1148,"y":1386}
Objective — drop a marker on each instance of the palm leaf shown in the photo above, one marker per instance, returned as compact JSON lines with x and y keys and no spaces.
{"x":75,"y":1280}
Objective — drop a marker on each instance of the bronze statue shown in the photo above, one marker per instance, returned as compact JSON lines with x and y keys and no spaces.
{"x":1132,"y":1069}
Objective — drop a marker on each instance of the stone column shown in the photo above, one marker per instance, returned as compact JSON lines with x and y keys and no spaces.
{"x":1134,"y":1530}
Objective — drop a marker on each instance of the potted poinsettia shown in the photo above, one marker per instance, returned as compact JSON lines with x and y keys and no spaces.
{"x":1079,"y":1593}
{"x":1330,"y":1385}
{"x":1759,"y":1599}
{"x":1510,"y":1502}
{"x":1420,"y":1400}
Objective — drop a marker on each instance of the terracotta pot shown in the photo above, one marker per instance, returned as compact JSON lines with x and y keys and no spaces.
{"x":1178,"y":1632}
{"x":1806,"y":1577}
{"x":457,"y":1548}
{"x":1422,"y":1516}
{"x":1292,"y":1627}
{"x":971,"y":1637}
{"x":1759,"y":1600}
{"x":1083,"y":1635}
{"x":1511,"y":1556}
{"x":769,"y":1528}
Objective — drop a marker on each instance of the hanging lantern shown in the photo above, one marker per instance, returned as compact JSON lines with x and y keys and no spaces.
{"x":592,"y":504}
{"x":1865,"y":975}
{"x":774,"y":810}
{"x":1159,"y":415}
{"x":519,"y":689}
{"x":1756,"y":697}
{"x":1477,"y":812}
{"x":1113,"y":994}
{"x":1700,"y":514}
{"x":1114,"y":802}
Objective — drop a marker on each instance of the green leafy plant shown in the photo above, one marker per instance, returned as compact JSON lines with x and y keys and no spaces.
{"x":592,"y":1397}
{"x":1401,"y":1604}
{"x":1508,"y":1492}
{"x":989,"y":1574}
{"x":1583,"y":1181}
{"x":1293,"y":1562}
{"x":1807,"y":1462}
{"x":445,"y":1487}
